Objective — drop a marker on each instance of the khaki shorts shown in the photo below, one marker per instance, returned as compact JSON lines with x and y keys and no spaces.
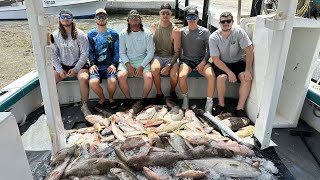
{"x":135,"y":64}
{"x":163,"y":61}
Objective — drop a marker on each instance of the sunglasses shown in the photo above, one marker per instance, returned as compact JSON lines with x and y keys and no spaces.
{"x":134,"y":17}
{"x":65,"y":17}
{"x":165,"y":13}
{"x":101,"y":17}
{"x":192,"y":17}
{"x":226,"y":21}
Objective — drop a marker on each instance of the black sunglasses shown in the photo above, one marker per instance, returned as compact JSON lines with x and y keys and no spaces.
{"x":226,"y":21}
{"x":103,"y":17}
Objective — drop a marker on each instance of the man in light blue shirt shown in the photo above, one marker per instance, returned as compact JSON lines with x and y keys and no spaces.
{"x":136,"y":52}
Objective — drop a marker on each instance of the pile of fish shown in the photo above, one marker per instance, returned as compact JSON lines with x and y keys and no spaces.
{"x":159,"y":142}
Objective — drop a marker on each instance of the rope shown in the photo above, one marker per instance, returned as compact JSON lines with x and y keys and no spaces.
{"x":302,"y":7}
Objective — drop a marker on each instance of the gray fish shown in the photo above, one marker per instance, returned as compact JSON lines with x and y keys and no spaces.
{"x":232,"y":146}
{"x":177,"y":142}
{"x":93,"y":166}
{"x":161,"y":111}
{"x":137,"y":162}
{"x":105,"y":152}
{"x":120,"y":154}
{"x":58,"y":171}
{"x":175,"y":114}
{"x":150,"y":175}
{"x":193,"y":174}
{"x":123,"y":174}
{"x":170,"y":104}
{"x":131,"y":143}
{"x":224,"y":116}
{"x":235,"y":123}
{"x":146,"y":114}
{"x":166,"y":158}
{"x":97,"y":119}
{"x":136,"y":108}
{"x":95,"y":177}
{"x":227,"y":167}
{"x":62,"y":154}
{"x":206,"y":152}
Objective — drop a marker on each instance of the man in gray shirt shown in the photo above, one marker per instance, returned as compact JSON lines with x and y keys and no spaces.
{"x":229,"y":46}
{"x":195,"y":55}
{"x":69,"y":53}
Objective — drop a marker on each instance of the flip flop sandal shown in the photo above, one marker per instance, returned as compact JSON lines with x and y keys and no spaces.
{"x":113,"y":105}
{"x":98,"y":107}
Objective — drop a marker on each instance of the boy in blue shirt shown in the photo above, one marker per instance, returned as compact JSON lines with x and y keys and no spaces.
{"x":104,"y":58}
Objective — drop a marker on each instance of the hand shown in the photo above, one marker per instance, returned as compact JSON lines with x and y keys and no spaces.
{"x":93,"y":69}
{"x":63,"y":74}
{"x":131,"y":70}
{"x":165,"y":71}
{"x":247,"y":76}
{"x":200,"y":66}
{"x":232,"y":77}
{"x":72,"y":72}
{"x":111,"y":69}
{"x":139,"y":71}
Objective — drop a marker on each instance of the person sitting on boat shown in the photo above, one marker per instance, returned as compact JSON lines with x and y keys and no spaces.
{"x":195,"y":55}
{"x":136,"y":52}
{"x":104,"y":59}
{"x":69,"y":53}
{"x":228,"y":46}
{"x":167,"y":39}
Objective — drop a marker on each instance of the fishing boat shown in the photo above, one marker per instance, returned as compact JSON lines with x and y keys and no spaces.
{"x":14,"y":10}
{"x":281,"y":94}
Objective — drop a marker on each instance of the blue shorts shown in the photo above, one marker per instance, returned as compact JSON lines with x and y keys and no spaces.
{"x":102,"y":73}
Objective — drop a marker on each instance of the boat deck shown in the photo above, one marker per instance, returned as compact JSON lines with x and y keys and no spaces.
{"x":291,"y":156}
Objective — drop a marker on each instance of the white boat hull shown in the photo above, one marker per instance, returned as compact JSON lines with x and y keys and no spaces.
{"x":80,"y":9}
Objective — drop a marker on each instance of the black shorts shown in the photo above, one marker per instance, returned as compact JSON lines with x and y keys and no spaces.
{"x":236,"y":68}
{"x":191,"y":64}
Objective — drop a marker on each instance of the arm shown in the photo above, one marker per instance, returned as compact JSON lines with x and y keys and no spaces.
{"x":116,"y":50}
{"x":207,"y":56}
{"x":84,"y":51}
{"x":149,"y":49}
{"x":176,"y":36}
{"x":249,"y":62}
{"x":55,"y":55}
{"x":153,"y":28}
{"x":122,"y":48}
{"x":91,"y":49}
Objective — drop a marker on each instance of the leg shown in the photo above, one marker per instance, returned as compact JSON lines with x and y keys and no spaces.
{"x":221,"y":88}
{"x":112,"y":86}
{"x":147,"y":84}
{"x":155,"y":70}
{"x":83,"y":77}
{"x":210,"y":76}
{"x":57,"y":76}
{"x":184,"y":70}
{"x":244,"y":91}
{"x":95,"y":86}
{"x":174,"y":75}
{"x":122,"y":77}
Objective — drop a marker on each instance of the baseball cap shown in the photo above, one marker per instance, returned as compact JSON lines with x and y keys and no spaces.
{"x":192,"y":11}
{"x":165,"y":6}
{"x":65,"y":11}
{"x":100,"y":10}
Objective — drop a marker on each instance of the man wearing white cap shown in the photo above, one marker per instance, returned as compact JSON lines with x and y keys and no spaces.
{"x":104,"y":58}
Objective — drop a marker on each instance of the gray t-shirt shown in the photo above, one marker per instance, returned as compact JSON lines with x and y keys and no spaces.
{"x":68,"y":51}
{"x":231,"y":49}
{"x":195,"y":44}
